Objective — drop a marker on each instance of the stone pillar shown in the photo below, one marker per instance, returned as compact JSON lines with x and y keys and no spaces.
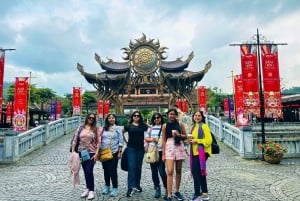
{"x":47,"y":134}
{"x":221,"y":134}
{"x":246,"y":143}
{"x":11,"y":147}
{"x":65,"y":126}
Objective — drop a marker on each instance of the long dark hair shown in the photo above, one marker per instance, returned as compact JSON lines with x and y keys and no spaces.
{"x":154,"y":115}
{"x":106,"y":123}
{"x":93,"y":124}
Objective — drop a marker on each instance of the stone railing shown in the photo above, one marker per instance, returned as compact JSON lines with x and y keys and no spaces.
{"x":245,"y":140}
{"x":14,"y":145}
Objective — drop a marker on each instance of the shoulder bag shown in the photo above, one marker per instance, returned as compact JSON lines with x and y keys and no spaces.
{"x":106,"y":154}
{"x":152,"y":154}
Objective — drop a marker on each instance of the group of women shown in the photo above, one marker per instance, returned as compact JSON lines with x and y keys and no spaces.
{"x":168,"y":136}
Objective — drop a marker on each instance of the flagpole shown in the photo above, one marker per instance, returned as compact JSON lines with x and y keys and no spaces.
{"x":259,"y":40}
{"x":28,"y":102}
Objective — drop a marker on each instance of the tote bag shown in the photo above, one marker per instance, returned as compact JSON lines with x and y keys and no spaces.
{"x":152,"y":155}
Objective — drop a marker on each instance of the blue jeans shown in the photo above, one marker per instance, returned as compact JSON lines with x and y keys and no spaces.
{"x":159,"y":167}
{"x":135,"y":162}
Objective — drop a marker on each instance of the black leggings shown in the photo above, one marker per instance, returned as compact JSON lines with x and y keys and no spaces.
{"x":110,"y":171}
{"x":199,"y":180}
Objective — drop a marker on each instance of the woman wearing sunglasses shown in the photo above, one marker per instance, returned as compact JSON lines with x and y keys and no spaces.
{"x":135,"y":151}
{"x":154,"y":137}
{"x":90,"y":140}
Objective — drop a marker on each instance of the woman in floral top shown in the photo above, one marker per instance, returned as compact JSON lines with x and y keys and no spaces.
{"x":90,"y":140}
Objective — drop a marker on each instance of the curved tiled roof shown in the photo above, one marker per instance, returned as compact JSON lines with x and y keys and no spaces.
{"x":174,"y":65}
{"x":104,"y":76}
{"x":177,"y":65}
{"x":113,"y":66}
{"x":194,"y":76}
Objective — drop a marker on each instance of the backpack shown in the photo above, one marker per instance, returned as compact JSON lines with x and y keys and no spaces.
{"x":215,"y":149}
{"x":78,"y":140}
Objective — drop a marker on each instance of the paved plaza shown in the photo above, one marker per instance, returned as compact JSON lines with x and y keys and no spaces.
{"x":44,"y":175}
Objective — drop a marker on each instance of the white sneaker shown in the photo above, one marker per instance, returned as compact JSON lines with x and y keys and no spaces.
{"x":91,"y":195}
{"x":85,"y":193}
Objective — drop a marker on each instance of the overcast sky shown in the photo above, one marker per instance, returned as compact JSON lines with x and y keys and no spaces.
{"x":50,"y":37}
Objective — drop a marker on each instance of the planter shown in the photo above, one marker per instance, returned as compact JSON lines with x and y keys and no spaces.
{"x":272,"y":159}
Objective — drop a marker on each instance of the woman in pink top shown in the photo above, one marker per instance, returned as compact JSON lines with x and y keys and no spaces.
{"x":90,"y":140}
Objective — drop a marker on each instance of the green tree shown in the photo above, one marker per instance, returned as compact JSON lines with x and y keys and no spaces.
{"x":89,"y":100}
{"x":11,"y":92}
{"x":44,"y":95}
{"x":66,"y":105}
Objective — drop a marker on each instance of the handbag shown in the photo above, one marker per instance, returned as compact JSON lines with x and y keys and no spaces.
{"x":152,"y":155}
{"x":85,"y":155}
{"x":106,"y":154}
{"x":124,"y":160}
{"x":215,"y":149}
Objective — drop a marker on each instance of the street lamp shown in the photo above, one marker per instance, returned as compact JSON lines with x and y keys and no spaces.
{"x":256,"y":40}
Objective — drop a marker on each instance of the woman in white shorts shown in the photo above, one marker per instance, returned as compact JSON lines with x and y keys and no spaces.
{"x":173,"y":134}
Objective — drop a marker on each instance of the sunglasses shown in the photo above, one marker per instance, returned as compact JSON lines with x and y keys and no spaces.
{"x":91,"y":118}
{"x":136,"y":115}
{"x":156,"y":117}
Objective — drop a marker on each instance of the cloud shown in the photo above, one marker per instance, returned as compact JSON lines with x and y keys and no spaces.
{"x":52,"y":36}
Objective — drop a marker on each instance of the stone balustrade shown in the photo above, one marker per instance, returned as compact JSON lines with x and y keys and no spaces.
{"x":14,"y":145}
{"x":245,"y":140}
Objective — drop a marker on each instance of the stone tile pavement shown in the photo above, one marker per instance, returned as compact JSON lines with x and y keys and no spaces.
{"x":44,"y":176}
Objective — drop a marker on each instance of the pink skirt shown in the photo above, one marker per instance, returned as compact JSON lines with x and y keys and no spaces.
{"x":174,"y":152}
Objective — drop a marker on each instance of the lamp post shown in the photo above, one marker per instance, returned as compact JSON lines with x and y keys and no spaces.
{"x":256,"y":40}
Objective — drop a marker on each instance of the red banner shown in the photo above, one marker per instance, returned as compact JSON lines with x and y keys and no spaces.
{"x":76,"y":101}
{"x":58,"y":109}
{"x":184,"y":105}
{"x":20,"y":104}
{"x":270,"y":68}
{"x":106,"y":108}
{"x":271,"y":81}
{"x":250,"y":79}
{"x":241,"y":116}
{"x":2,"y":60}
{"x":178,"y":103}
{"x":9,"y":112}
{"x":202,"y":98}
{"x":100,"y":109}
{"x":226,"y":107}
